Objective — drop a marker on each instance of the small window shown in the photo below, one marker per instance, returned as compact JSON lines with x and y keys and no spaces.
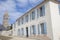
{"x":26,"y":18}
{"x":18,"y":21}
{"x":42,"y":11}
{"x":22,"y":30}
{"x":18,"y":32}
{"x":38,"y":13}
{"x":33,"y":15}
{"x":43,"y":28}
{"x":14,"y":25}
{"x":34,"y":29}
{"x":30,"y":16}
{"x":22,"y":21}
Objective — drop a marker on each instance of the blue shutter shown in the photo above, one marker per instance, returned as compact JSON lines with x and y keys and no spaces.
{"x":33,"y":15}
{"x":22,"y":31}
{"x":59,"y":8}
{"x":30,"y":16}
{"x":38,"y":13}
{"x":43,"y":10}
{"x":18,"y":32}
{"x":45,"y":28}
{"x":34,"y":29}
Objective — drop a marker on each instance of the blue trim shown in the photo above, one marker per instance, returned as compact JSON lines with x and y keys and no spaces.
{"x":43,"y":10}
{"x":45,"y":28}
{"x":59,"y":8}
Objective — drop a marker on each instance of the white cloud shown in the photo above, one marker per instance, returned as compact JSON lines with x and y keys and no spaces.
{"x":22,"y":3}
{"x":34,"y":2}
{"x":10,"y":6}
{"x":14,"y":16}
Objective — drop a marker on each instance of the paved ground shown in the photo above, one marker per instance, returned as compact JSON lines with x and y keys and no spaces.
{"x":5,"y":37}
{"x":22,"y":38}
{"x":13,"y":38}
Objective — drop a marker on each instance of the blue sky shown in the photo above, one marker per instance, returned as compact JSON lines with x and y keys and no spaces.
{"x":16,"y":8}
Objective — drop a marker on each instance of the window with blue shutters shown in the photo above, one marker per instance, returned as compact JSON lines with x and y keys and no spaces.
{"x":22,"y":21}
{"x":42,"y":11}
{"x":26,"y":18}
{"x":18,"y":22}
{"x":30,"y":16}
{"x":33,"y":15}
{"x":14,"y":25}
{"x":18,"y":32}
{"x":34,"y":29}
{"x":22,"y":30}
{"x":38,"y":13}
{"x":43,"y":28}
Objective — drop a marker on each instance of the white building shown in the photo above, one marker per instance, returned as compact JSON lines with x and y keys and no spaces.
{"x":44,"y":19}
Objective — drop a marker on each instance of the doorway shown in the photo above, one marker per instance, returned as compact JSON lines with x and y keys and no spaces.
{"x":26,"y":31}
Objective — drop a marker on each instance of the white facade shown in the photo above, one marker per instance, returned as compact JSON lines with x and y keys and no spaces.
{"x":37,"y":22}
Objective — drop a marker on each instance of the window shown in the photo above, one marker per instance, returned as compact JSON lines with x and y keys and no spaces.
{"x":38,"y":29}
{"x":18,"y":21}
{"x":33,"y":29}
{"x":42,"y":11}
{"x":26,"y":18}
{"x":5,"y":18}
{"x":14,"y":25}
{"x":22,"y":30}
{"x":22,"y":20}
{"x":38,"y":13}
{"x":18,"y":32}
{"x":59,"y":8}
{"x":33,"y":15}
{"x":30,"y":16}
{"x":43,"y":28}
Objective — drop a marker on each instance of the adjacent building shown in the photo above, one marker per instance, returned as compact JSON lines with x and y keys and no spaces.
{"x":6,"y":20}
{"x":44,"y":19}
{"x":5,"y":28}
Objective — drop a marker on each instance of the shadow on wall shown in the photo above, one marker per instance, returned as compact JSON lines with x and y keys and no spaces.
{"x":59,"y":38}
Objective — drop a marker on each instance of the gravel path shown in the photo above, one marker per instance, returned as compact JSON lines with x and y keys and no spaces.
{"x":5,"y":37}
